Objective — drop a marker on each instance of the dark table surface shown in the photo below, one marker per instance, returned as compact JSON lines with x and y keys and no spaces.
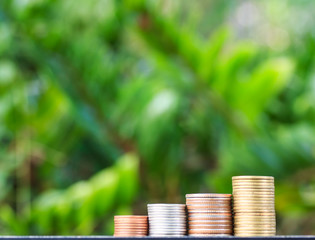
{"x":147,"y":238}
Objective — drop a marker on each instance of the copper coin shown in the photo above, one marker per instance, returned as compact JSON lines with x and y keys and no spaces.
{"x":210,"y":218}
{"x":131,"y":227}
{"x":208,"y":195}
{"x":138,"y":217}
{"x":215,"y":221}
{"x":211,"y":226}
{"x":208,"y":231}
{"x":208,"y":207}
{"x":129,"y":235}
{"x":209,"y":215}
{"x":131,"y":232}
{"x":223,"y":211}
{"x":209,"y":235}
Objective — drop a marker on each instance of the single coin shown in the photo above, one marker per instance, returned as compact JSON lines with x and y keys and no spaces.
{"x":168,"y":220}
{"x":268,"y":207}
{"x":130,"y":227}
{"x":208,"y":231}
{"x":254,"y":190}
{"x":255,"y":228}
{"x":208,"y":195}
{"x":166,"y":211}
{"x":251,"y":197}
{"x":253,"y":203}
{"x":259,"y":191}
{"x":253,"y":185}
{"x":129,"y":235}
{"x":130,"y":232}
{"x":202,"y":208}
{"x":257,"y":223}
{"x":126,"y":229}
{"x":271,"y":213}
{"x":193,"y":219}
{"x":209,"y":235}
{"x":253,"y":209}
{"x":254,"y":231}
{"x":161,"y":224}
{"x":209,"y":205}
{"x":209,"y":216}
{"x":198,"y":222}
{"x":167,"y":230}
{"x":254,"y":235}
{"x":131,"y":216}
{"x":267,"y":189}
{"x":227,"y":211}
{"x":253,"y":182}
{"x":255,"y":219}
{"x":205,"y":199}
{"x":167,"y":235}
{"x":253,"y":177}
{"x":131,"y":223}
{"x":174,"y":205}
{"x":210,"y":226}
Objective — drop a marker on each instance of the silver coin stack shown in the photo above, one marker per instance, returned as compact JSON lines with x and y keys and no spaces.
{"x":167,"y":220}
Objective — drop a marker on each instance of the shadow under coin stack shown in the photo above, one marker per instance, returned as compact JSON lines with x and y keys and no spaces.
{"x":209,"y":214}
{"x":131,"y":226}
{"x":167,"y":220}
{"x":254,"y":207}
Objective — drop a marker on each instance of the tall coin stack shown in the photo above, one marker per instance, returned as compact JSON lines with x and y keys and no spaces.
{"x":167,"y":220}
{"x":131,"y":226}
{"x":209,"y":214}
{"x":254,"y":206}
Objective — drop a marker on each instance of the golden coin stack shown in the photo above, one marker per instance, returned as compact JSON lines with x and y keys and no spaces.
{"x":209,"y":214}
{"x":131,"y":226}
{"x":254,"y":206}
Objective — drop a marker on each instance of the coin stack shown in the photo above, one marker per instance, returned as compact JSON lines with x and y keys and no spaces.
{"x":131,"y":226}
{"x":167,"y":220}
{"x":254,"y":206}
{"x":209,"y":214}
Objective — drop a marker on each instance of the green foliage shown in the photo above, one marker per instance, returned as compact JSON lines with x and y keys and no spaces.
{"x":83,"y":206}
{"x":82,"y":83}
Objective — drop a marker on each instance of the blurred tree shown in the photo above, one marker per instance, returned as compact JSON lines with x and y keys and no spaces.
{"x":83,"y":84}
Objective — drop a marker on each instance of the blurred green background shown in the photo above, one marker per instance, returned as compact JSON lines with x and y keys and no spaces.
{"x":106,"y":105}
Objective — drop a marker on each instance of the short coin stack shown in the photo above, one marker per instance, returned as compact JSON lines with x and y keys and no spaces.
{"x":209,"y":214}
{"x":167,"y":220}
{"x":254,"y":207}
{"x":131,"y":226}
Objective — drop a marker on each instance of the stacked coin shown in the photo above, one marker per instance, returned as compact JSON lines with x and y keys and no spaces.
{"x":167,"y":220}
{"x":131,"y":226}
{"x":209,"y":214}
{"x":254,"y":206}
